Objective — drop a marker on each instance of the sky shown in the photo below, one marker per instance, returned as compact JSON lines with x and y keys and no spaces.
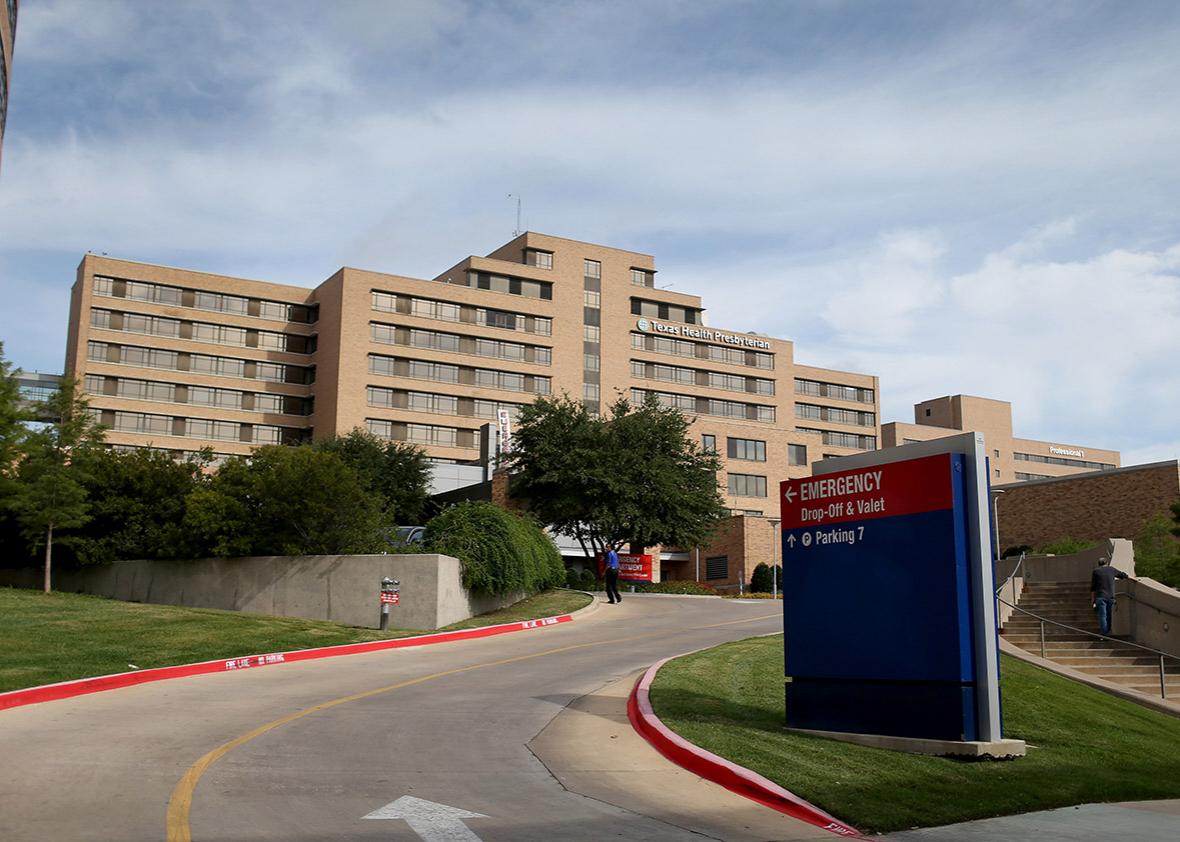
{"x":964,"y":197}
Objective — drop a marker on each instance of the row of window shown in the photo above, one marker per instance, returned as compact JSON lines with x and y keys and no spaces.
{"x":424,"y":434}
{"x":835,"y":415}
{"x":708,"y":406}
{"x":697,"y":377}
{"x":457,"y":344}
{"x":201,"y":331}
{"x":844,"y":439}
{"x":503,"y":283}
{"x":152,"y":390}
{"x":664,"y":311}
{"x":746,"y":485}
{"x":209,"y":429}
{"x":510,"y":381}
{"x":753,"y":450}
{"x":1059,"y":460}
{"x":429,"y":308}
{"x":216,"y":302}
{"x":439,"y":404}
{"x":701,"y":351}
{"x":819,"y":389}
{"x":1025,"y":477}
{"x":160,"y":358}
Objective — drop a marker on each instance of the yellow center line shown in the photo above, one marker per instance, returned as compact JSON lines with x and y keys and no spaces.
{"x":180,"y":803}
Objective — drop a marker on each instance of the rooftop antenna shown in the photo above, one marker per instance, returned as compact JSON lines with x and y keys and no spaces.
{"x":517,"y":232}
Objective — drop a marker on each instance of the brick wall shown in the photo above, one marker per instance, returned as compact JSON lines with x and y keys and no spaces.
{"x":746,"y":542}
{"x":1107,"y":504}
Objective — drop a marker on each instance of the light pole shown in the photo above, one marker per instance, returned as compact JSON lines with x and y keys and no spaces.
{"x":996,"y":492}
{"x":774,"y":558}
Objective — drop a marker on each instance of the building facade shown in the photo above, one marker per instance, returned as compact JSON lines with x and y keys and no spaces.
{"x":1012,"y":459}
{"x":181,"y":360}
{"x":7,"y":35}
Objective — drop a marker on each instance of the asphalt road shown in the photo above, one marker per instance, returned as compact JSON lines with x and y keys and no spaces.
{"x":305,"y":751}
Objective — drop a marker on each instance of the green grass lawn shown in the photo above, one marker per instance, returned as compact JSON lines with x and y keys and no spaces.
{"x":1084,"y":745}
{"x":46,"y":638}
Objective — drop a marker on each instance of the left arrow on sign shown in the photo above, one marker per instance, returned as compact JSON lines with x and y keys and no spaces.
{"x":790,"y":495}
{"x":431,"y":821}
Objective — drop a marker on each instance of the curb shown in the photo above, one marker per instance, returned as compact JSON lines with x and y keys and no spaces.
{"x":719,"y":770}
{"x":83,"y":686}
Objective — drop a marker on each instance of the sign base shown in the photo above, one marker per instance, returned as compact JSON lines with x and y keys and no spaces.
{"x":992,"y":750}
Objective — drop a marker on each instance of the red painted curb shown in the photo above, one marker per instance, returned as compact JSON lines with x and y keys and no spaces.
{"x":719,"y":770}
{"x":82,"y":686}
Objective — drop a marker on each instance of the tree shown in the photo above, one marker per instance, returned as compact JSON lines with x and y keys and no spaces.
{"x":632,"y":477}
{"x":12,"y":418}
{"x":1157,"y":553}
{"x":1176,"y":518}
{"x":285,"y":501}
{"x":398,"y":471}
{"x":50,"y":496}
{"x":762,"y":580}
{"x":137,"y":505}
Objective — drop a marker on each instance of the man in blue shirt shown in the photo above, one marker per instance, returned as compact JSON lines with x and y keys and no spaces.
{"x":612,"y":576}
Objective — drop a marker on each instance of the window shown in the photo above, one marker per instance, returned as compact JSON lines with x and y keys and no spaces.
{"x":717,"y":567}
{"x":708,"y":443}
{"x":796,"y":454}
{"x":750,"y":449}
{"x":591,"y":269}
{"x":591,"y":362}
{"x":747,"y":485}
{"x":591,"y":333}
{"x":643,"y":278}
{"x":100,"y":318}
{"x":204,"y":428}
{"x":498,"y":318}
{"x":220,"y":303}
{"x":540,"y":259}
{"x":592,"y":299}
{"x":590,"y":391}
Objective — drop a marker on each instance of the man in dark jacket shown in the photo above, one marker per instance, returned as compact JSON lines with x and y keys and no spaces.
{"x":1102,"y":592}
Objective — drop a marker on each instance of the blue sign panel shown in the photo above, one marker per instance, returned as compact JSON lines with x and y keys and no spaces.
{"x":877,"y":601}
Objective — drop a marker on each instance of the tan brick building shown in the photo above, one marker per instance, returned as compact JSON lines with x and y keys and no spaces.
{"x":1012,"y":459}
{"x":181,"y":360}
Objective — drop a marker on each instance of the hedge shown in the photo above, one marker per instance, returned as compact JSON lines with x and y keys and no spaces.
{"x":500,"y":551}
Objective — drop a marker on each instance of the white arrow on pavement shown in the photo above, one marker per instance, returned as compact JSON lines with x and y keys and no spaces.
{"x":790,"y":495}
{"x":791,"y":540}
{"x":433,"y":822}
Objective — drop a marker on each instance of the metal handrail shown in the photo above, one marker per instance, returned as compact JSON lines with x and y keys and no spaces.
{"x":1011,"y":580}
{"x":1043,"y":620}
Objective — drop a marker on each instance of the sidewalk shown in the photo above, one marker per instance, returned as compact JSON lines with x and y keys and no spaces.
{"x":1139,"y":821}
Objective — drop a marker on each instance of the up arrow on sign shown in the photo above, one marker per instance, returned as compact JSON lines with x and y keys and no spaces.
{"x":432,"y":822}
{"x":791,"y":540}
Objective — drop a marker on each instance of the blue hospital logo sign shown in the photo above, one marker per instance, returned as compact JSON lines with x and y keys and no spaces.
{"x":642,"y":324}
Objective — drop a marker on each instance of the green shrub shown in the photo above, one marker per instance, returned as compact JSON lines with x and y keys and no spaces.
{"x":500,"y":551}
{"x":1067,"y":546}
{"x":692,"y":588}
{"x":1014,"y":552}
{"x":1157,"y":553}
{"x":583,"y":581}
{"x":762,"y":581}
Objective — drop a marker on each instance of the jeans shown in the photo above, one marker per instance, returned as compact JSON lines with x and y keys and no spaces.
{"x":1105,"y":608}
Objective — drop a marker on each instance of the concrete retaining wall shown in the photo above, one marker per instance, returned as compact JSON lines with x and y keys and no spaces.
{"x":342,"y":589}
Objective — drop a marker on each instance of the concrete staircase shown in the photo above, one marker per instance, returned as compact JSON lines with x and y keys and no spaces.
{"x":1112,"y":660}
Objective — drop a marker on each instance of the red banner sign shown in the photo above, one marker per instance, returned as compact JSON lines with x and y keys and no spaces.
{"x":388,"y":598}
{"x":900,"y":488}
{"x":633,"y":567}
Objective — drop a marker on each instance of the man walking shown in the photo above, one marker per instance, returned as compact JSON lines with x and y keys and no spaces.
{"x":612,"y":576}
{"x":1102,"y":592}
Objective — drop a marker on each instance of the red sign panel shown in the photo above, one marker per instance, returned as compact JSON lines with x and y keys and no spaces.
{"x":632,"y":567}
{"x":388,"y":598}
{"x":635,"y":568}
{"x":899,"y":488}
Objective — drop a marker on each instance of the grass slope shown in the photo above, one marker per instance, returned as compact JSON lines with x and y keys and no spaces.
{"x":45,"y":638}
{"x":1084,"y":745}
